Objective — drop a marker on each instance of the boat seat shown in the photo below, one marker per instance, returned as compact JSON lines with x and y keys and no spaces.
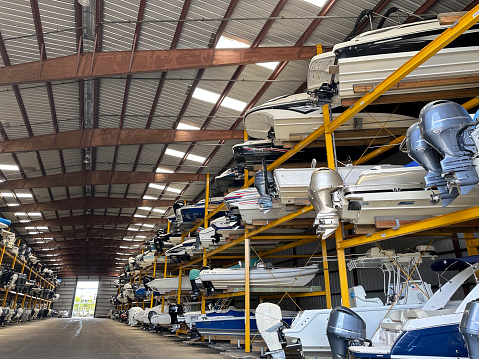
{"x":359,"y":300}
{"x":415,"y":313}
{"x":397,"y":321}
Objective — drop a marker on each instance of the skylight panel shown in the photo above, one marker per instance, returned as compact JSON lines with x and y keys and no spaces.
{"x":212,"y":97}
{"x":163,"y":170}
{"x":8,"y":168}
{"x":19,"y":195}
{"x":269,"y":65}
{"x":174,"y":190}
{"x":150,"y":197}
{"x":159,"y":210}
{"x":319,"y":3}
{"x":180,"y":154}
{"x":228,"y":43}
{"x":139,"y":216}
{"x":184,"y":126}
{"x":157,"y":186}
{"x":145,"y":208}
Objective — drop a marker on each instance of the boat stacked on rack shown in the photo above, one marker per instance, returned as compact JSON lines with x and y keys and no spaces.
{"x":431,"y":331}
{"x":231,"y":322}
{"x":403,"y":288}
{"x":354,"y":67}
{"x":392,"y":195}
{"x":186,"y":216}
{"x":261,"y":276}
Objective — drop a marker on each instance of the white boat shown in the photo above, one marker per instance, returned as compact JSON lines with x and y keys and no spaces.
{"x":370,"y":57}
{"x":246,"y":202}
{"x":293,"y":183}
{"x":431,"y":331}
{"x":291,"y":118}
{"x":260,"y":276}
{"x":166,"y":285}
{"x":308,"y":330}
{"x":153,"y":317}
{"x":379,"y":194}
{"x":228,"y":226}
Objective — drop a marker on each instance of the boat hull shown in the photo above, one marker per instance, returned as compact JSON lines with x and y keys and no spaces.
{"x":165,"y":285}
{"x":229,"y":324}
{"x":222,"y":278}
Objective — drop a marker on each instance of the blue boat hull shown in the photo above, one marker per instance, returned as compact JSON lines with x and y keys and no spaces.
{"x":230,"y":326}
{"x":436,"y":342}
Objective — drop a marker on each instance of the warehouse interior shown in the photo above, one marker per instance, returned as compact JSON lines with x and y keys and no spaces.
{"x":240,"y":179}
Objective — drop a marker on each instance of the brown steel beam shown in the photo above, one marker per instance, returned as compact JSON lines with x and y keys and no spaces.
{"x":117,"y":63}
{"x":100,"y":137}
{"x":91,"y":220}
{"x":84,"y":233}
{"x":84,"y":178}
{"x":88,"y":203}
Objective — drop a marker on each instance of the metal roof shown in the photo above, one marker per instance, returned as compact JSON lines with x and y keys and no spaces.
{"x":36,"y":109}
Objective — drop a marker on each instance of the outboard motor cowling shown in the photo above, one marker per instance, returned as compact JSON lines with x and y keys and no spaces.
{"x":442,"y":123}
{"x":344,"y":326}
{"x":324,"y":182}
{"x":424,"y":154}
{"x":270,"y":325}
{"x":469,"y":328}
{"x":264,"y":183}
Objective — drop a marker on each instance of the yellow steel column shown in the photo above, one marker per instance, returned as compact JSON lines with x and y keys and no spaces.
{"x":207,"y":200}
{"x":343,"y":276}
{"x":203,"y":299}
{"x":164,"y":270}
{"x":162,"y":303}
{"x":246,"y":174}
{"x":168,"y":226}
{"x":154,"y":274}
{"x":247,"y":328}
{"x":13,"y":266}
{"x":327,"y":285}
{"x":16,"y":295}
{"x":180,"y":274}
{"x":471,"y":248}
{"x":1,"y":255}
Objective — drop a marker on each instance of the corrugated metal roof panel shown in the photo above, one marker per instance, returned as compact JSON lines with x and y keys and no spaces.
{"x":57,"y":15}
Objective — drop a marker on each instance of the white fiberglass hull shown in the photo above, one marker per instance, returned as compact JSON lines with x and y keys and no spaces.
{"x":222,"y":278}
{"x":166,"y":285}
{"x":446,"y":64}
{"x":309,"y":327}
{"x":293,"y":183}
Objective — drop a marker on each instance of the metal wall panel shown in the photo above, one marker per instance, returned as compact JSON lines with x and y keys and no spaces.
{"x":106,"y":289}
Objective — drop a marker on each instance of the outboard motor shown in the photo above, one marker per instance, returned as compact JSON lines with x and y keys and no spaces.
{"x":195,"y":290}
{"x":469,"y":328}
{"x":324,"y":182}
{"x":264,"y":183}
{"x":174,"y":311}
{"x":448,"y":127}
{"x":270,"y":325}
{"x":344,"y":326}
{"x":177,"y":205}
{"x":424,"y":154}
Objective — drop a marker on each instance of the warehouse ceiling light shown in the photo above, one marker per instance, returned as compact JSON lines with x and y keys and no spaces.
{"x":145,"y":208}
{"x":157,"y":186}
{"x":212,"y":97}
{"x":159,"y":210}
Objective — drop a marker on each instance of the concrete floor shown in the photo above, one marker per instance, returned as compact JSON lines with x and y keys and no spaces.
{"x":89,"y":338}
